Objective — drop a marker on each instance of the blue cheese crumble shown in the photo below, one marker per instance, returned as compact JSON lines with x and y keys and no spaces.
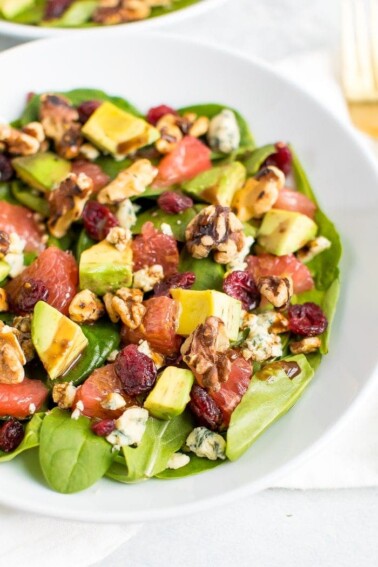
{"x":130,"y":428}
{"x":205,"y":443}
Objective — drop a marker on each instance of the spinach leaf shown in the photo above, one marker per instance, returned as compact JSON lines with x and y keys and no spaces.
{"x":255,"y":160}
{"x":29,"y":198}
{"x":30,"y":440}
{"x":178,"y":223}
{"x":103,"y":337}
{"x":71,"y":456}
{"x":209,"y":274}
{"x":160,"y":440}
{"x":83,"y":243}
{"x":112,"y":167}
{"x":6,"y":194}
{"x":195,"y":466}
{"x":63,"y":243}
{"x":263,"y":403}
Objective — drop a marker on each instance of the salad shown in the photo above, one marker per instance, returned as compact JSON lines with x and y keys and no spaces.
{"x":86,"y":13}
{"x":167,"y":287}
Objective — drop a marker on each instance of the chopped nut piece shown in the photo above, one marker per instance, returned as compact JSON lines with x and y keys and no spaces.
{"x":113,"y":401}
{"x":131,"y":181}
{"x":18,"y":143}
{"x":69,"y":145}
{"x":110,"y":13}
{"x":306,"y":345}
{"x":22,"y":325}
{"x":12,"y":358}
{"x":89,"y":152}
{"x":313,"y":248}
{"x":127,"y":304}
{"x":4,"y":243}
{"x":119,"y":237}
{"x":67,"y":202}
{"x":205,"y":352}
{"x":64,"y":394}
{"x":276,"y":290}
{"x":3,"y":300}
{"x":86,"y":307}
{"x":60,"y":121}
{"x":146,"y":278}
{"x":35,"y":129}
{"x":259,"y":193}
{"x":199,"y":127}
{"x":170,"y":133}
{"x":215,"y":228}
{"x":108,"y":300}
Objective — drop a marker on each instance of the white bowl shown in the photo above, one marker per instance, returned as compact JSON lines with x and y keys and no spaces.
{"x":33,"y":32}
{"x":176,"y":72}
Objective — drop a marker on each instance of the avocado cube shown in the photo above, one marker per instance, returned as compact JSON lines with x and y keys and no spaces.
{"x":284,"y":232}
{"x":196,"y":306}
{"x":103,"y":268}
{"x":11,"y":8}
{"x":42,"y":171}
{"x":170,"y":394}
{"x":217,"y":185}
{"x":4,"y":270}
{"x":118,"y":132}
{"x":57,"y":340}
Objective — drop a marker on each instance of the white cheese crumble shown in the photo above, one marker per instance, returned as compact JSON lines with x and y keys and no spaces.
{"x":145,"y":348}
{"x":113,"y":401}
{"x":130,"y":427}
{"x":146,"y":278}
{"x":89,"y":152}
{"x":78,"y":410}
{"x":205,"y":443}
{"x":177,"y":461}
{"x":112,"y":356}
{"x":238,"y":262}
{"x":260,"y":343}
{"x":166,"y":229}
{"x":14,"y":256}
{"x":224,"y":134}
{"x":32,"y":408}
{"x":126,"y":214}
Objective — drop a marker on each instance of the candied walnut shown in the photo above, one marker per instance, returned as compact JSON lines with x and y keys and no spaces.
{"x":276,"y":290}
{"x":146,"y":278}
{"x":118,"y":12}
{"x":170,"y":133}
{"x":4,"y":243}
{"x":69,"y":145}
{"x":205,"y":352}
{"x":64,"y":394}
{"x":35,"y":129}
{"x":60,"y":121}
{"x":67,"y":202}
{"x":131,"y":181}
{"x":306,"y":345}
{"x":216,"y":229}
{"x":4,"y":306}
{"x":278,"y":323}
{"x":22,"y":325}
{"x":86,"y":307}
{"x":259,"y":193}
{"x":119,"y":237}
{"x":126,"y":305}
{"x":193,"y":125}
{"x":16,"y":142}
{"x":12,"y":358}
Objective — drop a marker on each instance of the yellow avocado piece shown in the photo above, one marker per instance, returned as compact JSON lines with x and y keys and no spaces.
{"x":57,"y":340}
{"x":196,"y":306}
{"x":118,"y":132}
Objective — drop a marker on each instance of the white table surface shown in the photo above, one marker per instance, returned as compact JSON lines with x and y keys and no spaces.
{"x":335,"y":528}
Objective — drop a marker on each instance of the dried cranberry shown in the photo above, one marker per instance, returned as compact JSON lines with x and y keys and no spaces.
{"x":241,"y":285}
{"x":31,"y":291}
{"x":11,"y":435}
{"x":104,"y":427}
{"x":155,"y":113}
{"x":98,"y":220}
{"x":136,"y":371}
{"x":282,"y":158}
{"x":173,"y":202}
{"x":307,"y":319}
{"x":204,"y":408}
{"x":55,"y":8}
{"x":185,"y":281}
{"x":6,"y":169}
{"x":87,"y":108}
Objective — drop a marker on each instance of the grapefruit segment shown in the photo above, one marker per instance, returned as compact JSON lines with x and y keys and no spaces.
{"x":16,"y":399}
{"x":289,"y":265}
{"x":232,"y":391}
{"x":153,"y":247}
{"x":14,"y":218}
{"x":289,"y":200}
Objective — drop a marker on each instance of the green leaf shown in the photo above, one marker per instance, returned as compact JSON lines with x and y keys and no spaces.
{"x":30,"y":198}
{"x":263,"y":403}
{"x":83,"y":243}
{"x":72,"y":457}
{"x":178,"y":223}
{"x":112,"y":167}
{"x":255,"y":160}
{"x":209,"y":274}
{"x":160,"y":440}
{"x":30,"y":440}
{"x":196,"y":465}
{"x":6,"y":194}
{"x":103,"y":337}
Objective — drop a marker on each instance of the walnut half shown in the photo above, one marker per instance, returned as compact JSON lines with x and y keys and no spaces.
{"x":215,"y":229}
{"x":126,"y":305}
{"x":276,"y":290}
{"x":12,"y":358}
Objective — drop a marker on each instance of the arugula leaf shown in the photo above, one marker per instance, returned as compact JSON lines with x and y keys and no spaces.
{"x":195,"y":466}
{"x":263,"y":403}
{"x":71,"y":456}
{"x":30,"y":440}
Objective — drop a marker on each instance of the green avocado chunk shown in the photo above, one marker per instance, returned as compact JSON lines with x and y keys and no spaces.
{"x":11,"y":8}
{"x":171,"y":393}
{"x":42,"y":171}
{"x":217,"y":185}
{"x":103,"y":268}
{"x":76,"y":14}
{"x":284,"y":232}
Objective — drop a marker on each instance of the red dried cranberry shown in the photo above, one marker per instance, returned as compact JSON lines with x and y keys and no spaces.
{"x":241,"y":285}
{"x":87,"y":108}
{"x":173,"y":202}
{"x":307,"y":319}
{"x":282,"y":158}
{"x":103,"y":428}
{"x":204,"y":408}
{"x":55,"y":8}
{"x":157,"y":112}
{"x":136,"y":371}
{"x":28,"y":295}
{"x":98,"y":220}
{"x":11,"y":435}
{"x":6,"y":169}
{"x":185,"y":281}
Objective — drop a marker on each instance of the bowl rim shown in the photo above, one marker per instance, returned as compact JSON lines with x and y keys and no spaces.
{"x":28,"y":31}
{"x":314,"y":447}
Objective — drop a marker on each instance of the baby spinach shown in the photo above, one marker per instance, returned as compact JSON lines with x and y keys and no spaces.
{"x":83,"y":243}
{"x":30,"y":440}
{"x":103,"y":337}
{"x":6,"y":194}
{"x":195,"y":466}
{"x":112,"y":167}
{"x":209,"y":274}
{"x":255,"y":160}
{"x":160,"y":440}
{"x":30,"y":198}
{"x":72,"y":457}
{"x":264,"y":402}
{"x":178,"y":223}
